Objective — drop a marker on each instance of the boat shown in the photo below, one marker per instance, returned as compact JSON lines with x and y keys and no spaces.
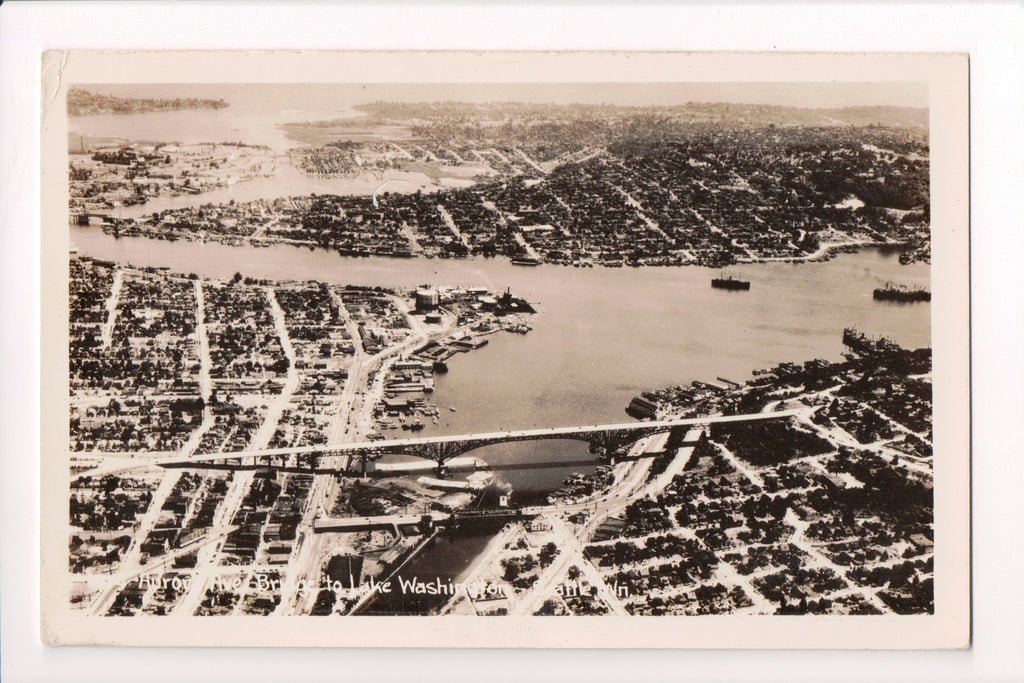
{"x":901,"y":293}
{"x":730,"y":283}
{"x":863,"y":344}
{"x":525,"y":261}
{"x":478,"y":481}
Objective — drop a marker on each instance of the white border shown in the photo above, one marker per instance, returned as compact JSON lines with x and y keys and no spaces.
{"x":990,"y":34}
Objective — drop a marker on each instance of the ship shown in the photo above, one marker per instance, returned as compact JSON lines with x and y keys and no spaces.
{"x":901,"y":293}
{"x":730,"y":283}
{"x":507,"y":303}
{"x":865,"y":345}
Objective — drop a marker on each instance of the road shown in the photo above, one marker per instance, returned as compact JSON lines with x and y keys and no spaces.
{"x":205,"y":366}
{"x":353,"y":420}
{"x":630,"y":485}
{"x":450,"y":222}
{"x":277,"y":405}
{"x":164,"y":458}
{"x":714,"y":228}
{"x":570,"y":553}
{"x":799,"y":540}
{"x":122,"y":578}
{"x":530,"y":161}
{"x":206,"y":562}
{"x":651,"y":224}
{"x":107,"y":335}
{"x":130,"y":562}
{"x":356,"y":376}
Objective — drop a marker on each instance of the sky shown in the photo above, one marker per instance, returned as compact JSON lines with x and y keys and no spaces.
{"x":811,"y":95}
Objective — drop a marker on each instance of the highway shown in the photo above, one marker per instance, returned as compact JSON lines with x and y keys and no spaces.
{"x":353,"y":418}
{"x":396,"y":445}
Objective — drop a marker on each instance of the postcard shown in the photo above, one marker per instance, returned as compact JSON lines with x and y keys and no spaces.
{"x":660,"y":350}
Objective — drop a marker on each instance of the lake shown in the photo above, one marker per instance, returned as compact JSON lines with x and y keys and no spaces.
{"x":601,"y":335}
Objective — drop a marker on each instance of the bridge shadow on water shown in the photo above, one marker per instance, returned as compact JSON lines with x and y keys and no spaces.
{"x":377,"y":474}
{"x":505,"y":467}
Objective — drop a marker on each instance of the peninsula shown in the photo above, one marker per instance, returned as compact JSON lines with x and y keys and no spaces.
{"x":84,"y":103}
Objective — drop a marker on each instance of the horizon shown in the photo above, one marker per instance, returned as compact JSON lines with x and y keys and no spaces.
{"x":808,"y":96}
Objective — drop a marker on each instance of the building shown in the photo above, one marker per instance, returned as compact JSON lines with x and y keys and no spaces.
{"x":427,"y":300}
{"x":641,"y":407}
{"x":346,"y":570}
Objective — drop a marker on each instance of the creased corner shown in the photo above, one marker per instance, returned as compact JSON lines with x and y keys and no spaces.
{"x":55,"y":63}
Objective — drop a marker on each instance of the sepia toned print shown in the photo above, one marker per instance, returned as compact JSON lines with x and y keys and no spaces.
{"x":652,"y":351}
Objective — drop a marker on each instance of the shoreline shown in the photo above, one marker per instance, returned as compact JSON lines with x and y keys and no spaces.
{"x":482,"y":557}
{"x":822,"y":255}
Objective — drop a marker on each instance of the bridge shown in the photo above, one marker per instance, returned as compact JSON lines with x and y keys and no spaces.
{"x":433,"y":517}
{"x":610,"y":440}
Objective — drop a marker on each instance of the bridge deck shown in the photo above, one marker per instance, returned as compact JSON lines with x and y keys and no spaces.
{"x":378,"y":522}
{"x":353,"y":524}
{"x":396,"y":445}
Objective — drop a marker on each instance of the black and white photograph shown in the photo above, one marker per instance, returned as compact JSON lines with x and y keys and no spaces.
{"x":655,"y":350}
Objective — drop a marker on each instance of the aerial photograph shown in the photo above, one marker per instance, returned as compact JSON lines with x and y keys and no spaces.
{"x":488,"y":349}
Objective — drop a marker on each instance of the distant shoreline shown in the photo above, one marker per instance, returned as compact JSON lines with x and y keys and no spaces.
{"x":84,"y":103}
